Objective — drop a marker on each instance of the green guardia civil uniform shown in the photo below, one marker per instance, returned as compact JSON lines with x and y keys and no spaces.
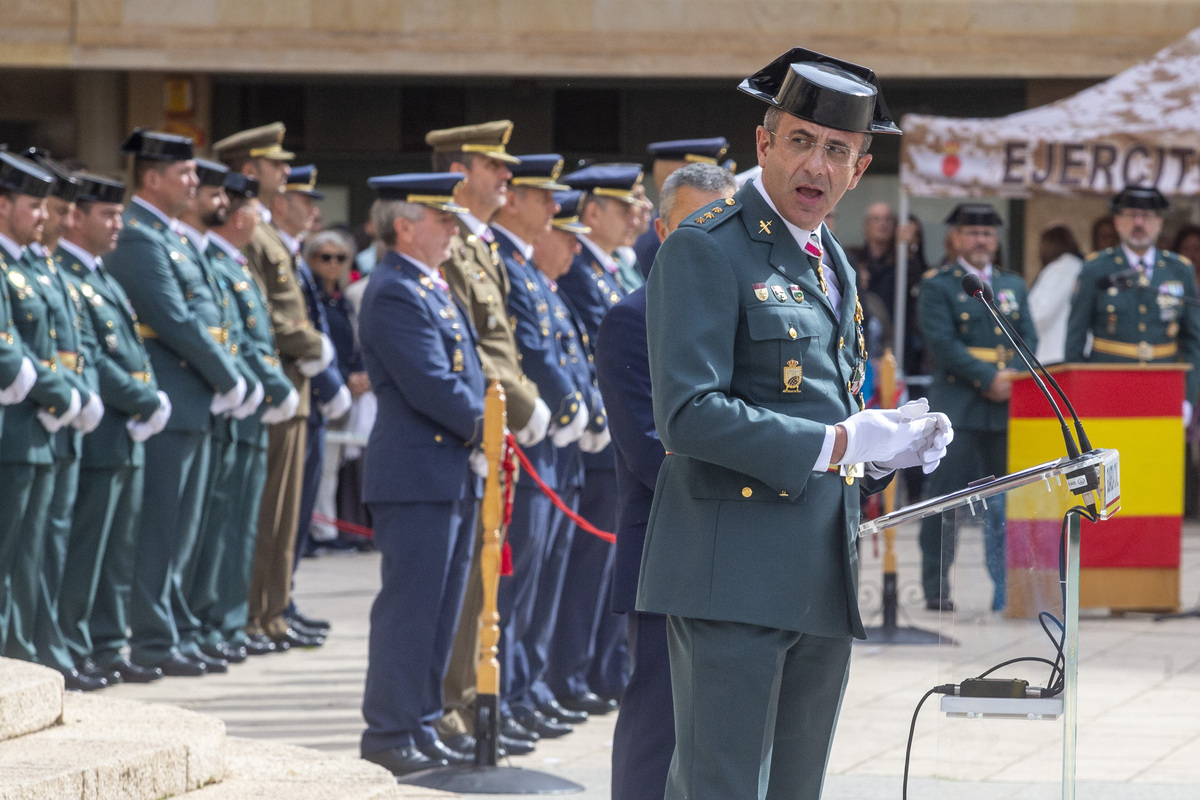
{"x":27,"y":451}
{"x":968,"y":349}
{"x":198,"y":626}
{"x":1154,"y":320}
{"x":180,"y":318}
{"x":256,"y":342}
{"x":94,"y":603}
{"x":750,"y":551}
{"x":75,"y":339}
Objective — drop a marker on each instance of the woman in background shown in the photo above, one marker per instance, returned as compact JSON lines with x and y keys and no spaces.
{"x":1050,"y":297}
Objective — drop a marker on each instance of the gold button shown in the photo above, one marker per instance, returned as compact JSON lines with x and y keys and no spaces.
{"x":1142,"y":309}
{"x":747,"y":491}
{"x":792,"y":332}
{"x":841,"y":342}
{"x":998,"y":331}
{"x":437,"y":437}
{"x":1141,"y":326}
{"x":964,"y":315}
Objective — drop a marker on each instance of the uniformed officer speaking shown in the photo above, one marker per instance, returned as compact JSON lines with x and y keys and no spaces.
{"x":972,"y":381}
{"x":1138,"y":302}
{"x":756,"y":362}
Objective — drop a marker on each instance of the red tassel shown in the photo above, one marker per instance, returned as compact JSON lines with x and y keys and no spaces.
{"x":506,"y":567}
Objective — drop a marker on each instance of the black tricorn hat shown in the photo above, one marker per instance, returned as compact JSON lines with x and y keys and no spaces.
{"x":156,"y":146}
{"x":974,"y":214}
{"x":98,"y":189}
{"x":824,"y":90}
{"x":23,"y":176}
{"x":65,"y":186}
{"x":1145,"y":197}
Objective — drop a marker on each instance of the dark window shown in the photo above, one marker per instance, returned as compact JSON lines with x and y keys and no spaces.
{"x":587,"y":121}
{"x":429,"y":108}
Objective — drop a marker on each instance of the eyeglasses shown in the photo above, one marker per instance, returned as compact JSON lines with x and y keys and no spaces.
{"x":837,"y":154}
{"x":1138,"y":213}
{"x":338,"y":258}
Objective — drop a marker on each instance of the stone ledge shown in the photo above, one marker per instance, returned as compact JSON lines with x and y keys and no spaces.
{"x":266,"y":769}
{"x":31,"y":698}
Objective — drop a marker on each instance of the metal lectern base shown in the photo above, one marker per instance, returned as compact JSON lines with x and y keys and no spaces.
{"x":490,"y":780}
{"x":897,"y":635}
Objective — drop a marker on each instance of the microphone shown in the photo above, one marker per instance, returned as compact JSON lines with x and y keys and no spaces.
{"x":976,"y":288}
{"x":1120,"y":280}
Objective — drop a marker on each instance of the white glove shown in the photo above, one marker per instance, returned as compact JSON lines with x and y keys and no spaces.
{"x":1187,"y":413}
{"x":229,"y":400}
{"x":539,"y":422}
{"x":479,"y":463}
{"x":284,"y":411}
{"x":339,"y":405}
{"x":882,"y":436}
{"x":90,"y":415}
{"x":311,"y":366}
{"x":54,"y":424}
{"x":250,"y":404}
{"x":594,"y":442}
{"x":929,"y":454}
{"x":26,"y":378}
{"x":571,"y":431}
{"x":158,"y":420}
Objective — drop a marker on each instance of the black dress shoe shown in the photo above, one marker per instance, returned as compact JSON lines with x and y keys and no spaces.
{"x":939,"y":604}
{"x":403,"y":760}
{"x":516,"y":747}
{"x":536,"y":722}
{"x":76,"y":681}
{"x":302,"y":629}
{"x":512,"y":729}
{"x":90,"y":669}
{"x":437,"y":750}
{"x":590,"y":702}
{"x":132,"y":673}
{"x":182,"y":667}
{"x":293,"y":639}
{"x":321,"y":625}
{"x":215,"y":665}
{"x":258,"y":645}
{"x":554,"y":710}
{"x":464,"y":743}
{"x":234,"y":654}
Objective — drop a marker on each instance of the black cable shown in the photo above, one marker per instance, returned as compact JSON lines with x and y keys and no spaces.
{"x":948,"y":688}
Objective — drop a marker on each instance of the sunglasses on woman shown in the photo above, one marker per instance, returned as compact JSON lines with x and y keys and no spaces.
{"x":339,"y":258}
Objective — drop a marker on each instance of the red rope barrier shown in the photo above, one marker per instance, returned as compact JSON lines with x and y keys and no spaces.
{"x":579,"y":521}
{"x":342,"y":525}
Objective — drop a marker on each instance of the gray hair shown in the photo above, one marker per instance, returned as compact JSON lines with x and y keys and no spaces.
{"x":384,"y":214}
{"x":774,"y":114}
{"x":707,"y":178}
{"x":322,"y":238}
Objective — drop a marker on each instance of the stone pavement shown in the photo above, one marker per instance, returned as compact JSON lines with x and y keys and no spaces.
{"x":1139,"y":698}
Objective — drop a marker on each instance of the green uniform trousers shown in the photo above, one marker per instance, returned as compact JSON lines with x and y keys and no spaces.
{"x":26,"y":567}
{"x":767,"y":735}
{"x":201,"y":584}
{"x":232,"y":608}
{"x":175,"y":479}
{"x":25,"y":498}
{"x":48,"y":641}
{"x":94,"y":603}
{"x":278,"y":522}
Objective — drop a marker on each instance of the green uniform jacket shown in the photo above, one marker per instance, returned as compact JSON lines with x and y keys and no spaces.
{"x":12,"y":351}
{"x":255,"y":341}
{"x":174,"y":300}
{"x":25,"y":441}
{"x":124,"y":375}
{"x":1160,"y":312}
{"x":71,"y":338}
{"x":478,"y":279}
{"x":749,"y":365}
{"x":954,"y":325}
{"x":272,"y":264}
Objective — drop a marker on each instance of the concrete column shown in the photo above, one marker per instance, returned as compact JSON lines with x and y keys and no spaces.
{"x":100,"y":120}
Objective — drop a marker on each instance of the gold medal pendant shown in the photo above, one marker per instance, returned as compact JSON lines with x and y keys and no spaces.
{"x":458,"y":361}
{"x":792,"y":376}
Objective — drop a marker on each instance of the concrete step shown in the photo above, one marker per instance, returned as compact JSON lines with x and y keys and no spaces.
{"x":260,"y":769}
{"x":31,"y":698}
{"x":110,"y":749}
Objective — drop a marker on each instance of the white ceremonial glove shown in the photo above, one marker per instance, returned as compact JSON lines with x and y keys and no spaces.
{"x":54,"y":424}
{"x":561,"y":437}
{"x":158,"y":420}
{"x":539,"y":422}
{"x":1187,"y":413}
{"x":929,"y":454}
{"x":594,"y":442}
{"x":229,"y":400}
{"x":284,"y":411}
{"x":311,"y":366}
{"x":250,"y":404}
{"x":883,"y":435}
{"x":19,"y":390}
{"x":479,"y":463}
{"x":90,"y":415}
{"x":339,"y":405}
{"x":139,"y":431}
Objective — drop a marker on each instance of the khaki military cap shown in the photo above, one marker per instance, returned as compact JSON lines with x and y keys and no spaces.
{"x":265,"y":141}
{"x":486,"y":138}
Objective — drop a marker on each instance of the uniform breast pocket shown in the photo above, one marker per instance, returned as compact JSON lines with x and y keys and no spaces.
{"x":485,"y":307}
{"x":783,"y":338}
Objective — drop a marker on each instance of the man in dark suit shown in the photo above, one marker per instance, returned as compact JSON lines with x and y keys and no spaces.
{"x":757,"y":359}
{"x":419,"y":350}
{"x":642,"y":742}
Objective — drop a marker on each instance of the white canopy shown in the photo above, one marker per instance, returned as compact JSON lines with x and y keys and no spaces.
{"x":1140,"y":127}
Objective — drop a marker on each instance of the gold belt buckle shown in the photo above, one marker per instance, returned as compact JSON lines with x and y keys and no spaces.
{"x":1003,"y":354}
{"x":852,"y":471}
{"x":1145,"y":351}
